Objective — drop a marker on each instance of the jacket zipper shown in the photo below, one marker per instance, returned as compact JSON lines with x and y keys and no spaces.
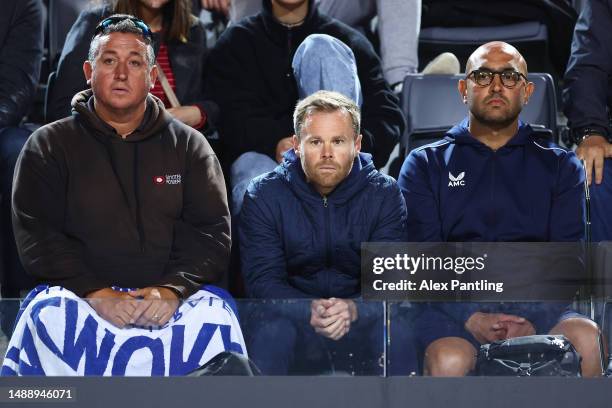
{"x":493,"y":188}
{"x":328,"y":253}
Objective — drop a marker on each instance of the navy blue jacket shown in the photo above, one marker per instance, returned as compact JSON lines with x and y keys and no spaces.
{"x":294,"y":243}
{"x":588,"y":88}
{"x":21,"y":51}
{"x":460,"y":190}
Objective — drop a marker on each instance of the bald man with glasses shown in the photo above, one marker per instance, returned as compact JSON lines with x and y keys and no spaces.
{"x":493,"y":179}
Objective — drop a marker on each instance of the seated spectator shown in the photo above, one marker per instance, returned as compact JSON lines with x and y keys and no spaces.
{"x":300,"y":233}
{"x":262,"y":65}
{"x":21,"y":50}
{"x":120,"y":194}
{"x":588,"y":89}
{"x":179,"y":42}
{"x":503,"y":166}
{"x":398,"y":27}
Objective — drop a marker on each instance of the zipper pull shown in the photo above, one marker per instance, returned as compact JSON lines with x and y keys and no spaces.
{"x":325,"y":201}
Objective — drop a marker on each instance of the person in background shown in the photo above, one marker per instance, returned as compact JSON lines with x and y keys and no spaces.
{"x":21,"y":53}
{"x":399,"y":22}
{"x":587,"y":95}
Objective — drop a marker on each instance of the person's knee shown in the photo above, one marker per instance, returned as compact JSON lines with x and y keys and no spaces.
{"x":584,"y":336}
{"x":249,"y":165}
{"x":318,"y":49}
{"x":449,"y":357}
{"x":582,"y":333}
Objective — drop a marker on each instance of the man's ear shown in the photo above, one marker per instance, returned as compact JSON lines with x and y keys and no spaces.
{"x":153,"y":75}
{"x":88,"y":71}
{"x":462,"y":88}
{"x":358,"y":144}
{"x":296,"y":145}
{"x":528,"y":91}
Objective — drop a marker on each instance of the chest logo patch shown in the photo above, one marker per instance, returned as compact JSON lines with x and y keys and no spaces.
{"x":172,"y":179}
{"x":456,"y":181}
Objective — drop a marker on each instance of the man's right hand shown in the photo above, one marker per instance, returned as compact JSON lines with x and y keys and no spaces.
{"x":485,"y":327}
{"x":113,"y":306}
{"x":593,"y":150}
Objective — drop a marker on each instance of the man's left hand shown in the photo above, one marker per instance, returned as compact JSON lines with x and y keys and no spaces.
{"x":515,"y":326}
{"x":155,"y":307}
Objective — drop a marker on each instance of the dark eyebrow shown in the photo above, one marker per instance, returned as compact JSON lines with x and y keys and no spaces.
{"x":505,"y":68}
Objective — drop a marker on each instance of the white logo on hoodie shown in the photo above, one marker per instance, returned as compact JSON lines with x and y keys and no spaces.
{"x":456,"y":181}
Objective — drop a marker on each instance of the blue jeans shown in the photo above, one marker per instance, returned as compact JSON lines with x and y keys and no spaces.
{"x":320,"y":62}
{"x":324,"y":62}
{"x":245,"y":168}
{"x":281,"y":341}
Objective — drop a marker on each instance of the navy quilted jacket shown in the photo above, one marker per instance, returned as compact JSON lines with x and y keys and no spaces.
{"x":294,"y":243}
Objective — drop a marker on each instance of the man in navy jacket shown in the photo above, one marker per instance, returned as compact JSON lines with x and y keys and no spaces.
{"x":301,"y":227}
{"x":491,"y":179}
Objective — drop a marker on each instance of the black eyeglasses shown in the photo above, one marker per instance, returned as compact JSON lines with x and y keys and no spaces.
{"x":146,"y":31}
{"x":484,"y":77}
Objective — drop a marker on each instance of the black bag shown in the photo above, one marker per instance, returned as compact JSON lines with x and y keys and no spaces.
{"x":227,"y":363}
{"x":540,"y":355}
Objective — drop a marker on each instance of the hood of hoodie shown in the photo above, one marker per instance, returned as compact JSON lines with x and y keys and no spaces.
{"x":362,"y":171}
{"x":460,"y":134}
{"x":155,"y":119}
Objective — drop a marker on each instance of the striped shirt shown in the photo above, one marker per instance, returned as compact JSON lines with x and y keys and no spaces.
{"x":163,"y":63}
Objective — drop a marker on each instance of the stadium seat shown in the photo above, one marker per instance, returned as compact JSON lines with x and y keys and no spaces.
{"x":432,"y":105}
{"x":530,"y":38}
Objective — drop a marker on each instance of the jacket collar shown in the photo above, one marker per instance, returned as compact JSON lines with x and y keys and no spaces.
{"x":460,"y":134}
{"x":291,"y":171}
{"x":278,"y":33}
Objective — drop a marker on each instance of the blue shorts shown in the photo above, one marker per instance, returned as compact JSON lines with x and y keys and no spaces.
{"x":433,"y":324}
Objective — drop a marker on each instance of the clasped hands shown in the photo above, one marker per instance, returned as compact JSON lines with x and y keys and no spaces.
{"x":332,"y":317}
{"x":489,"y":327}
{"x":151,"y":306}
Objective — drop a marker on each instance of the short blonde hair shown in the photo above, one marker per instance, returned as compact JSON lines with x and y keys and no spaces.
{"x":325,"y":101}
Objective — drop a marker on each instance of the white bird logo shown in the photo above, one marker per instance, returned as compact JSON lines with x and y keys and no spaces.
{"x":456,"y":181}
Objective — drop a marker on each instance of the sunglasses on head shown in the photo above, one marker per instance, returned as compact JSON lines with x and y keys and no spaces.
{"x":146,"y":31}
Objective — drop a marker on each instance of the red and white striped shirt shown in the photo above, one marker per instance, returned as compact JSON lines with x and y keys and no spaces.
{"x":163,"y":63}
